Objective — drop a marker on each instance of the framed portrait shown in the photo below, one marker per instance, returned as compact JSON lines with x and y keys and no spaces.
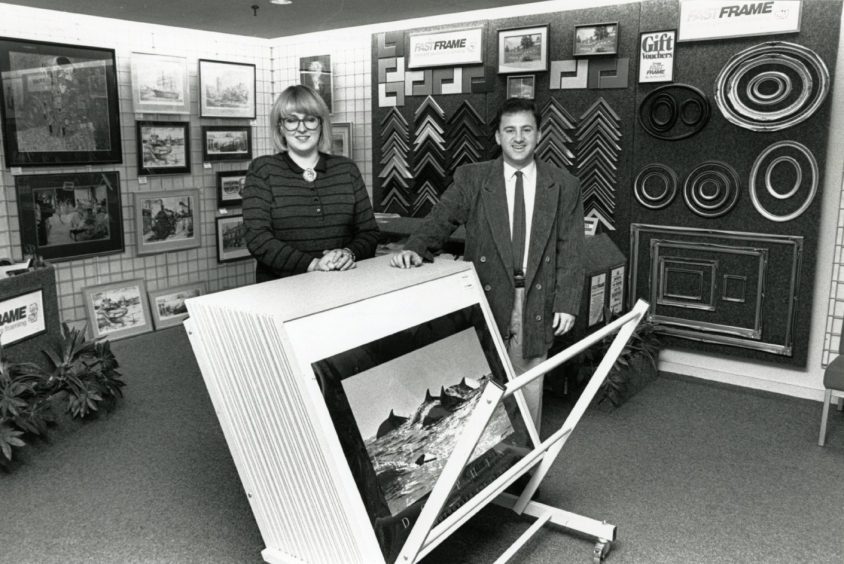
{"x":230,"y":243}
{"x":449,"y":48}
{"x":118,"y":309}
{"x":167,"y":221}
{"x":596,"y":39}
{"x":656,"y":56}
{"x":315,"y":72}
{"x":226,"y":142}
{"x":341,"y":139}
{"x":71,"y":215}
{"x":521,"y":86}
{"x":230,"y":187}
{"x":24,"y":317}
{"x":163,"y":147}
{"x":160,"y":84}
{"x":226,"y":90}
{"x":168,"y":306}
{"x":523,"y":50}
{"x":59,"y":104}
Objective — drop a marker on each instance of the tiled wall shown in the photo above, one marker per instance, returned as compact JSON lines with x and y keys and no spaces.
{"x":835,"y":308}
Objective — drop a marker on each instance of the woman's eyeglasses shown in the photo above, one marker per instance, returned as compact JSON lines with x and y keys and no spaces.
{"x":291,"y":123}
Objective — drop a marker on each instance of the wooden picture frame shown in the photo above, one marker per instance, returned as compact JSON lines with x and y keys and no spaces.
{"x":230,"y":243}
{"x":160,"y":84}
{"x":315,"y":71}
{"x":341,"y":139}
{"x":118,"y":309}
{"x":521,"y":86}
{"x":226,"y":90}
{"x":168,"y":305}
{"x":70,"y":215}
{"x":163,"y":147}
{"x":523,"y":49}
{"x":226,"y":143}
{"x":230,"y":188}
{"x":168,"y":220}
{"x":59,"y":104}
{"x":595,"y":39}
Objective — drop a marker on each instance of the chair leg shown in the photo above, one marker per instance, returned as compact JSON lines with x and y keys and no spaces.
{"x":827,"y":396}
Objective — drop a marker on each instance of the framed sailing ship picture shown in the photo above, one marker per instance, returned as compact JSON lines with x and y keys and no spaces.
{"x":226,"y":90}
{"x":59,"y":104}
{"x":163,"y":147}
{"x":160,"y":84}
{"x":117,"y":310}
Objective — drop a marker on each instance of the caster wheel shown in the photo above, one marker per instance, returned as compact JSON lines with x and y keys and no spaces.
{"x":602,"y":548}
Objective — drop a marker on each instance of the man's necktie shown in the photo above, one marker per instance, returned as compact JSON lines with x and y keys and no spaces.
{"x":519,"y":228}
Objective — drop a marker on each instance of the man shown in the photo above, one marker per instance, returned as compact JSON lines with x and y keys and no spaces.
{"x":524,"y":234}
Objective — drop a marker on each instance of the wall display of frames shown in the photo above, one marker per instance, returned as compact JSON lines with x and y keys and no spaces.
{"x":160,"y":84}
{"x":70,"y":215}
{"x":341,"y":139}
{"x":59,"y":104}
{"x":118,"y":309}
{"x":596,"y":39}
{"x":315,"y":72}
{"x":226,"y":90}
{"x":523,"y":50}
{"x":163,"y":147}
{"x":230,"y":188}
{"x":167,"y":221}
{"x":231,"y":245}
{"x":168,"y":305}
{"x":226,"y":143}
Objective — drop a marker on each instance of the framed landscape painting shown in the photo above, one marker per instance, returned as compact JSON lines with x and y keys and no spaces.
{"x":230,"y":188}
{"x":230,"y":242}
{"x":118,"y":310}
{"x":70,"y":215}
{"x":167,"y":221}
{"x":596,"y":39}
{"x":168,"y":306}
{"x":226,"y":143}
{"x":160,"y":84}
{"x":59,"y":104}
{"x":226,"y":90}
{"x":163,"y":147}
{"x":523,"y":50}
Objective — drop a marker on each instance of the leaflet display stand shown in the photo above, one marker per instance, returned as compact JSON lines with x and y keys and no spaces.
{"x":371,"y":413}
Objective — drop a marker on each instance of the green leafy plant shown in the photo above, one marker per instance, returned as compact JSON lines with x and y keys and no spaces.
{"x":84,"y":378}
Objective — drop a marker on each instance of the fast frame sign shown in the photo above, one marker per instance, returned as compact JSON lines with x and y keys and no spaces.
{"x":22,"y":317}
{"x":446,"y":48}
{"x":701,"y":20}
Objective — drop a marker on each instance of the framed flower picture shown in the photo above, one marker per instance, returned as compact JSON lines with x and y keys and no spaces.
{"x":59,"y":104}
{"x":524,"y":49}
{"x":231,"y":245}
{"x":168,"y":305}
{"x":70,"y":215}
{"x":226,"y":90}
{"x":226,"y":143}
{"x":163,"y":147}
{"x":160,"y":84}
{"x":118,"y":310}
{"x":230,"y":187}
{"x":167,"y":221}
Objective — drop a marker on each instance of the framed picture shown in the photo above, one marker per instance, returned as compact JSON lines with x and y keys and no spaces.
{"x":450,"y":48}
{"x":59,"y":104}
{"x":523,"y":50}
{"x":118,"y":309}
{"x":596,"y":39}
{"x":167,"y":221}
{"x":163,"y":147}
{"x":70,"y":215}
{"x":230,"y":188}
{"x":168,"y":306}
{"x":316,"y":72}
{"x":226,"y":142}
{"x":23,"y":317}
{"x":656,"y":56}
{"x":341,"y":139}
{"x":160,"y":84}
{"x":230,"y":243}
{"x":521,"y":86}
{"x":226,"y":90}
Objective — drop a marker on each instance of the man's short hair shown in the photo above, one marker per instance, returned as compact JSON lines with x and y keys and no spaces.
{"x":515,"y":106}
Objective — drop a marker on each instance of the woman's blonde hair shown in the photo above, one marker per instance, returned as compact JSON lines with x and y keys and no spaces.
{"x":303,"y":100}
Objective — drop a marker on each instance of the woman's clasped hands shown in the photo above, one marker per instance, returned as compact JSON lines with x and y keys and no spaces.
{"x":335,"y":259}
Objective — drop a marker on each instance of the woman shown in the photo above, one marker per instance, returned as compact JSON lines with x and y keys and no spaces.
{"x":303,"y":208}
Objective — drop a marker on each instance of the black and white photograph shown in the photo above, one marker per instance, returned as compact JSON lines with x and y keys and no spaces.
{"x":118,"y":309}
{"x":167,"y":221}
{"x":315,"y":71}
{"x":226,"y":143}
{"x":163,"y":147}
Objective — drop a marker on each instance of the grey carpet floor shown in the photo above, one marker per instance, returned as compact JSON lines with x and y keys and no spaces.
{"x":689,"y":471}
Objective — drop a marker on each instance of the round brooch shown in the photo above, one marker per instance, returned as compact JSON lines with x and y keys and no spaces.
{"x":309,"y":175}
